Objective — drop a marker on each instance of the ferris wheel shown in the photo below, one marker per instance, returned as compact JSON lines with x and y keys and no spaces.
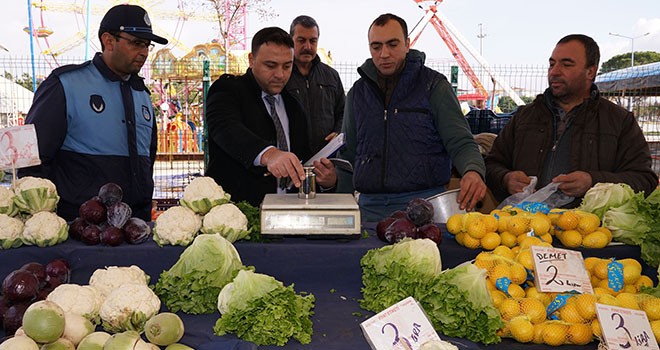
{"x":86,"y":29}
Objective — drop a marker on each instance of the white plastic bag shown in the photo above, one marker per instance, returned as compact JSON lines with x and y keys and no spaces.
{"x":548,"y":195}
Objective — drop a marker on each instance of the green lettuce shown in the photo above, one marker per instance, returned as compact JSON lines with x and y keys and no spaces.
{"x":193,"y":283}
{"x":626,"y":222}
{"x":394,"y":272}
{"x":260,"y":309}
{"x":458,"y":304}
{"x":603,"y":196}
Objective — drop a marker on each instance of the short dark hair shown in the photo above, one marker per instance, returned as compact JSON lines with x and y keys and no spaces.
{"x":590,"y":47}
{"x":384,"y":18}
{"x":273,"y":35}
{"x":305,"y":21}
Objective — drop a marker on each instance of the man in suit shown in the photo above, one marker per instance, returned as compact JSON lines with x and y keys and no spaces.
{"x":257,"y":131}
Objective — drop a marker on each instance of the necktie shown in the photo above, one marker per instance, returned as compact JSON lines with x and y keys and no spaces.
{"x":281,"y":137}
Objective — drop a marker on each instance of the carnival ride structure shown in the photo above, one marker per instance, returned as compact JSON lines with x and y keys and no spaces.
{"x":447,"y":32}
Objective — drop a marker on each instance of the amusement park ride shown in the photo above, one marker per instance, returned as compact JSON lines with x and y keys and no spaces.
{"x":446,"y":31}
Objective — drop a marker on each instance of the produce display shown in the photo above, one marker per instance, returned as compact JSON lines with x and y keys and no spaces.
{"x":106,"y":219}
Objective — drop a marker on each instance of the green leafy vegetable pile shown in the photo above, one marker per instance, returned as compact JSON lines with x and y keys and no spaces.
{"x":456,"y":301}
{"x":633,"y":219}
{"x":193,"y":283}
{"x":254,"y":221}
{"x":260,"y":309}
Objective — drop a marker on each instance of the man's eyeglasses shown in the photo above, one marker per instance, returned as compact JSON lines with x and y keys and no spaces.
{"x":137,"y":43}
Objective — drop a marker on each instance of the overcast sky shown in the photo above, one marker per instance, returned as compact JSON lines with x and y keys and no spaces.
{"x":516,"y":31}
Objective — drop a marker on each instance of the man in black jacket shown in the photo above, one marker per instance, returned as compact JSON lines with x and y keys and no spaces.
{"x":315,"y":84}
{"x":257,"y":131}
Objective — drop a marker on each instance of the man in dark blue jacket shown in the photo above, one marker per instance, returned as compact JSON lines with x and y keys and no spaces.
{"x":95,"y":121}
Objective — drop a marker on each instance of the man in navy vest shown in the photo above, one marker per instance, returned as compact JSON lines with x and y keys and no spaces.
{"x":404,"y":129}
{"x":95,"y":121}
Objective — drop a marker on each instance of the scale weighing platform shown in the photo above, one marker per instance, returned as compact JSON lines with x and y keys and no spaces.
{"x":328,"y":214}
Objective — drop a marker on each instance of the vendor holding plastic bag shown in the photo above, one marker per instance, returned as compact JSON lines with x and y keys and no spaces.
{"x":570,"y":135}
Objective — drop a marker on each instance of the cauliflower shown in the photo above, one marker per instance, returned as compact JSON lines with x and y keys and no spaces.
{"x":177,"y":226}
{"x":129,"y":307}
{"x":76,"y":299}
{"x":202,"y":194}
{"x":228,"y":221}
{"x":10,"y":232}
{"x":45,"y":229}
{"x":106,"y":280}
{"x":34,"y":194}
{"x":7,"y":205}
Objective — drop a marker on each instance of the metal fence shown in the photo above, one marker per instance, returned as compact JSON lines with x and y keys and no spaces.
{"x":178,"y":100}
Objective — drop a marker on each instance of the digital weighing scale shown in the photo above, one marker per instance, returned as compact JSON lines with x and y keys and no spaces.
{"x":328,"y":214}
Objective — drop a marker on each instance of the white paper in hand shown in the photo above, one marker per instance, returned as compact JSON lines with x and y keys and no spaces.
{"x":332,"y":147}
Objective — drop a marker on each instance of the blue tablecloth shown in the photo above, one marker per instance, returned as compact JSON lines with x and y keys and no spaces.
{"x":329,"y":269}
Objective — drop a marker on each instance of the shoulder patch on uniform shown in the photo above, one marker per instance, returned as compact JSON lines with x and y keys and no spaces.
{"x":96,"y":103}
{"x":145,"y":113}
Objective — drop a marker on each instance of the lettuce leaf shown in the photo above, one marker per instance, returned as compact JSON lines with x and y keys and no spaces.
{"x":260,"y":309}
{"x":603,"y":196}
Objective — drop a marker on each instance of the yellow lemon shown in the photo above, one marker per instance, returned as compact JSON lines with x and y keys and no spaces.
{"x":470,"y":242}
{"x":516,"y":291}
{"x":518,"y":274}
{"x":518,"y":225}
{"x":569,"y":220}
{"x":643,"y":280}
{"x":632,"y":270}
{"x":532,"y":292}
{"x":606,"y":298}
{"x":547,"y":238}
{"x":503,"y":251}
{"x":529,"y":241}
{"x":483,"y":260}
{"x":600,"y":269}
{"x":460,"y":237}
{"x":555,"y":333}
{"x":538,"y":333}
{"x":588,"y":223}
{"x":569,"y":313}
{"x":651,"y":307}
{"x":655,"y":327}
{"x":590,"y":262}
{"x":499,"y":271}
{"x":627,"y":300}
{"x":503,"y":223}
{"x":509,"y":308}
{"x":522,"y":329}
{"x":604,"y":285}
{"x":585,"y":305}
{"x":580,"y":334}
{"x":554,"y":215}
{"x":629,"y":288}
{"x":533,"y":308}
{"x":606,"y":231}
{"x":476,"y":228}
{"x":571,"y":238}
{"x":595,"y":328}
{"x":490,"y":240}
{"x":525,"y":258}
{"x":595,"y":239}
{"x":508,"y":239}
{"x":515,"y":250}
{"x":497,"y":296}
{"x":491,"y":223}
{"x":540,"y":224}
{"x":455,"y":224}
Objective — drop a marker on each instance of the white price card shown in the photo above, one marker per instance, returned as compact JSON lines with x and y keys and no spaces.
{"x":625,"y":329}
{"x":18,"y":147}
{"x":560,"y":270}
{"x":402,"y":326}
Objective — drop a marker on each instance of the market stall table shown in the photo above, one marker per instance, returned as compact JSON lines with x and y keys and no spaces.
{"x":329,"y":269}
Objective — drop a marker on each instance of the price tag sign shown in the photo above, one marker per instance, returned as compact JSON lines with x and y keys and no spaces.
{"x":560,"y":270}
{"x":18,"y":147}
{"x":402,"y":326}
{"x":625,"y":329}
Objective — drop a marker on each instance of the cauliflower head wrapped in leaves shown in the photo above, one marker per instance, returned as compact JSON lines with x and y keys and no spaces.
{"x":108,"y":279}
{"x":34,"y":194}
{"x":45,"y":229}
{"x":193,"y":283}
{"x":128,"y":308}
{"x":11,"y":230}
{"x":260,"y":309}
{"x":227,"y":220}
{"x":7,"y":205}
{"x":81,"y":300}
{"x":177,"y":226}
{"x":202,"y":194}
